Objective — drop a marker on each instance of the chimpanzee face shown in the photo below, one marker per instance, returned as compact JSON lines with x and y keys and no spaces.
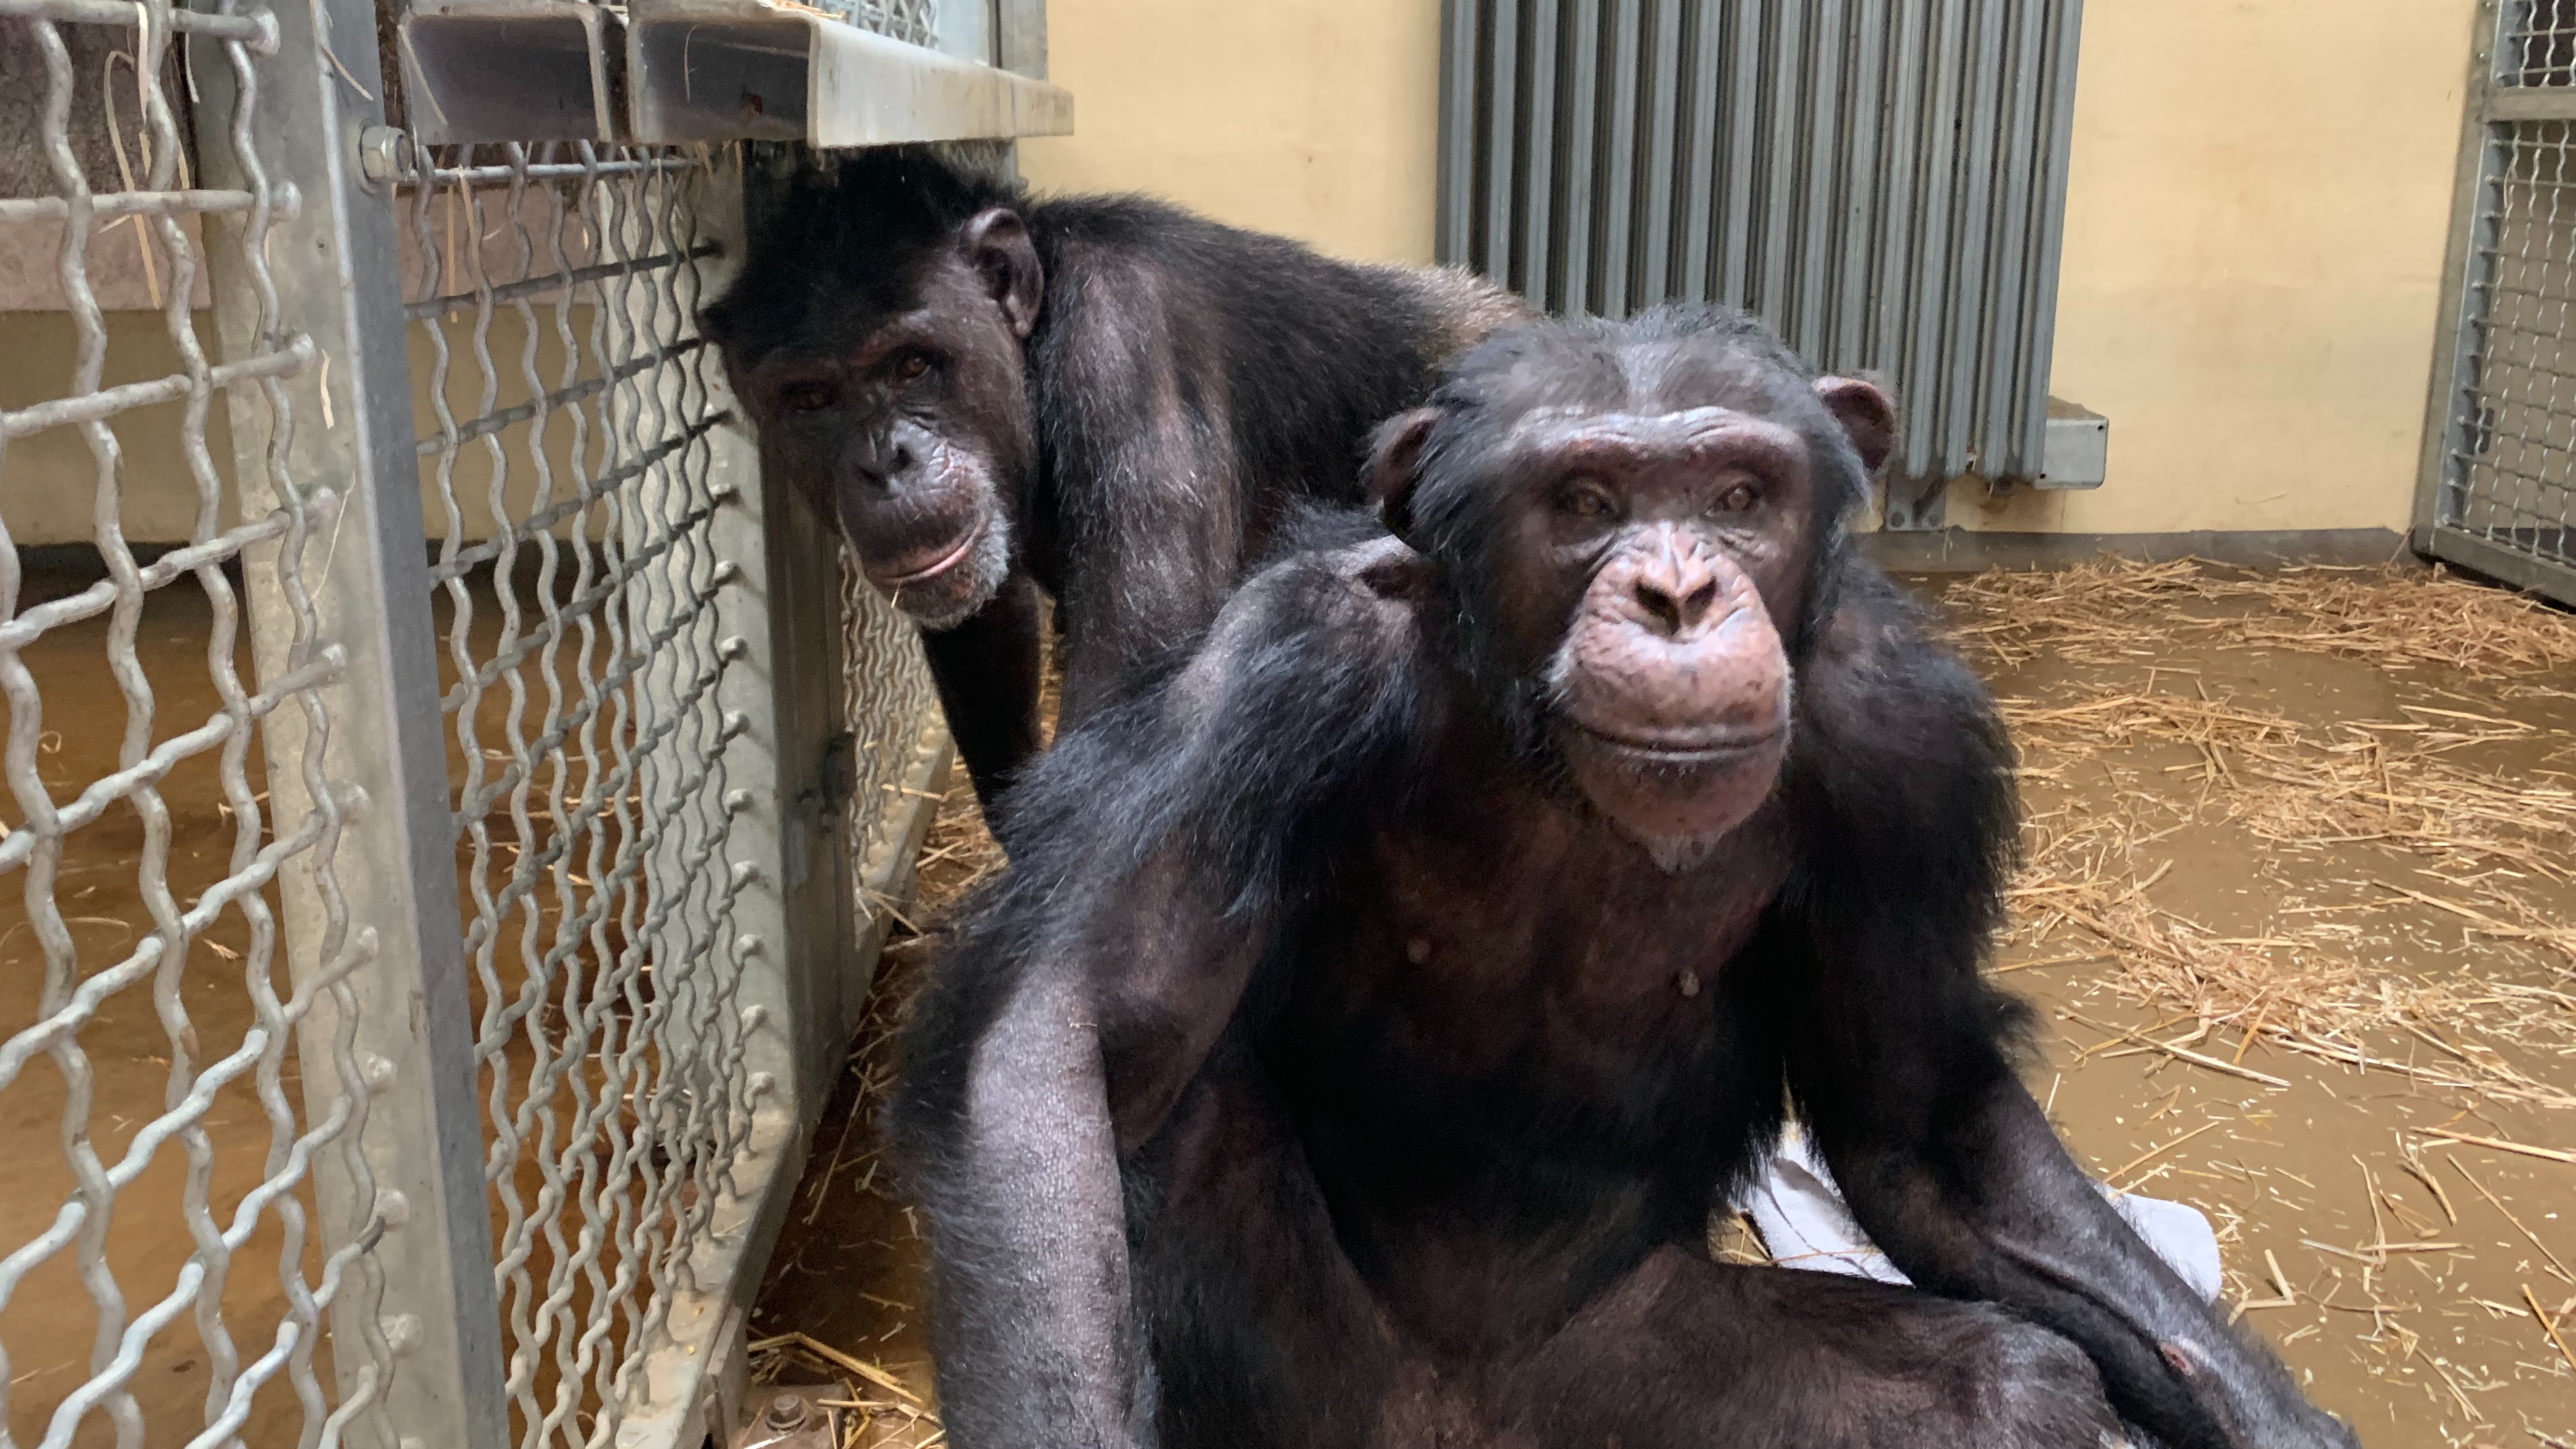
{"x":1649,"y":526}
{"x":905,"y":410}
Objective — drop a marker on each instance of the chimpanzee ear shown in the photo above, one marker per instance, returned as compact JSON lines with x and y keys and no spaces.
{"x":1867,"y":414}
{"x":997,"y":243}
{"x":1395,"y":465}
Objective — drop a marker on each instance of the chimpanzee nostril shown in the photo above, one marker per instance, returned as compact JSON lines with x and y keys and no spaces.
{"x":899,"y":462}
{"x":1673,"y":613}
{"x":1663,"y":611}
{"x":1696,"y":605}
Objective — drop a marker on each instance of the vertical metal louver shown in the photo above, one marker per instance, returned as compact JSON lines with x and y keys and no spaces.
{"x":1883,"y":181}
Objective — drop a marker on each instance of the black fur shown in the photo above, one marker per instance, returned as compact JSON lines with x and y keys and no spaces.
{"x":1188,"y":382}
{"x":1319,"y":1076}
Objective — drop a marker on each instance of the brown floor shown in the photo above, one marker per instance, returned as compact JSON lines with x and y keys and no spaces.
{"x":2190,"y":750}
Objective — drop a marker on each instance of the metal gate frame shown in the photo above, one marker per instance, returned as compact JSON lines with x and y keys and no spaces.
{"x":789,"y":690}
{"x":2521,"y":84}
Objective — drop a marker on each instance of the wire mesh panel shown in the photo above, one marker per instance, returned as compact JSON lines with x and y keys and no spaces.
{"x":166,"y":1269}
{"x":887,"y":697}
{"x":568,"y":469}
{"x":2538,"y":44}
{"x":438,"y":855}
{"x":2499,"y":483}
{"x":912,"y":21}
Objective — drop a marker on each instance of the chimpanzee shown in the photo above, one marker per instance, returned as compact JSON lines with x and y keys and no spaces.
{"x":1381,"y":998}
{"x":1104,"y":398}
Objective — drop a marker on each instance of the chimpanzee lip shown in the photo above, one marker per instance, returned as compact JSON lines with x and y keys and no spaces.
{"x":1682,"y":747}
{"x":946,"y":561}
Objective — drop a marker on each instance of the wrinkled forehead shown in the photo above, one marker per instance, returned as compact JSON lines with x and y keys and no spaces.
{"x":1653,"y":378}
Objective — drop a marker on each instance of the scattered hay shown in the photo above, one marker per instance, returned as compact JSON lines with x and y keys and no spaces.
{"x":2490,"y":854}
{"x":2396,"y":616}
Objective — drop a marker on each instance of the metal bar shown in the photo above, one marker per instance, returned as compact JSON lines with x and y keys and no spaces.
{"x":1582,"y":154}
{"x":255,"y":31}
{"x":1502,"y":143}
{"x":1786,"y":131}
{"x":91,"y":407}
{"x":1892,"y":319}
{"x":1865,"y":113}
{"x":113,"y":204}
{"x":1963,"y":325}
{"x":1741,"y":214}
{"x":1699,"y":218}
{"x":1457,"y":180}
{"x":2530,"y":103}
{"x":1921,"y":448}
{"x":416,"y":1326}
{"x":1619,"y":197}
{"x":2038,"y":340}
{"x":500,"y":419}
{"x":539,"y":286}
{"x":1665,"y":62}
{"x":2003,"y":392}
{"x":1538,"y":226}
{"x":1811,"y":294}
{"x":2522,"y":570}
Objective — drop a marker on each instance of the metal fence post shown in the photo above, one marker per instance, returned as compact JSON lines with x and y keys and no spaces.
{"x":373,"y":922}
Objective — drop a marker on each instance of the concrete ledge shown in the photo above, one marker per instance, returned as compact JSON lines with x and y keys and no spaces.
{"x":1957,"y":550}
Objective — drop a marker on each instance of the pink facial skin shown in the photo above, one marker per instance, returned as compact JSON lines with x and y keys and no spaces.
{"x":1676,"y":690}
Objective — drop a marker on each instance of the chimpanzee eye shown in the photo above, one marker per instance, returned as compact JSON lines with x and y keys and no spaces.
{"x":1584,"y":500}
{"x":1738,"y":499}
{"x":805,"y":397}
{"x":911,"y":366}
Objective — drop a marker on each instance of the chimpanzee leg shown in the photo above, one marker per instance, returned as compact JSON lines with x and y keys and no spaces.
{"x":1692,"y":1353}
{"x":1264,"y":1336}
{"x":987,"y":672}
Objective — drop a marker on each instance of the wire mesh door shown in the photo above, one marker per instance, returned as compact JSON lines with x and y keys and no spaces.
{"x":436,"y":921}
{"x":2498,"y":492}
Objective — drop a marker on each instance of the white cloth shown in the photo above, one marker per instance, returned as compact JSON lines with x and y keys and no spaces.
{"x":1802,"y":1220}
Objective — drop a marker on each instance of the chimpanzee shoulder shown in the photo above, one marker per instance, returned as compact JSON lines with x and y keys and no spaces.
{"x":1901,"y":776}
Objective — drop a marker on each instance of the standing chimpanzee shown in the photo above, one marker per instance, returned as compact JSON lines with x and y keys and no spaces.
{"x":1104,"y":398}
{"x":1381,"y":999}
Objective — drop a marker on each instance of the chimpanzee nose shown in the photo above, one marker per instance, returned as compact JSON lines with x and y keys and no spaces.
{"x":1675,"y":591}
{"x":877,"y":461}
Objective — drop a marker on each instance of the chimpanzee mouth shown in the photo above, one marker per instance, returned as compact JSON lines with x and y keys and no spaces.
{"x":900,"y":577}
{"x":1682,"y":749}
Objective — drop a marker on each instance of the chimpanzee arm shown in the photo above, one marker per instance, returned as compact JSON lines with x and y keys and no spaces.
{"x":1897,"y":1062}
{"x":1155,"y":853}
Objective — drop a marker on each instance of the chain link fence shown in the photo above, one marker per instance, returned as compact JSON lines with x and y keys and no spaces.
{"x":2499,"y":480}
{"x":435,"y":922}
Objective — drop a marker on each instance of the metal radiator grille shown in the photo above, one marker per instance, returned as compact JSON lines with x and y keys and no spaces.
{"x":1883,"y":181}
{"x":142,"y":987}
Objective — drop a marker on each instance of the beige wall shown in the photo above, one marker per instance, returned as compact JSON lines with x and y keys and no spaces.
{"x":1316,"y":118}
{"x":2255,"y":218}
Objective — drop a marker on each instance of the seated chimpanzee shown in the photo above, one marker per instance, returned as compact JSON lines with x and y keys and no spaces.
{"x":1104,"y":398}
{"x":1382,"y":996}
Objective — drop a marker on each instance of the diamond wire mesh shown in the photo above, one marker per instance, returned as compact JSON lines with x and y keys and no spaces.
{"x":886,"y":696}
{"x":2538,"y":44}
{"x":140,"y":963}
{"x":2512,"y":475}
{"x":916,"y":21}
{"x":567,"y":468}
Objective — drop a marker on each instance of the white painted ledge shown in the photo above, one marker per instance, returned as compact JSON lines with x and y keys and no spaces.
{"x":723,"y":70}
